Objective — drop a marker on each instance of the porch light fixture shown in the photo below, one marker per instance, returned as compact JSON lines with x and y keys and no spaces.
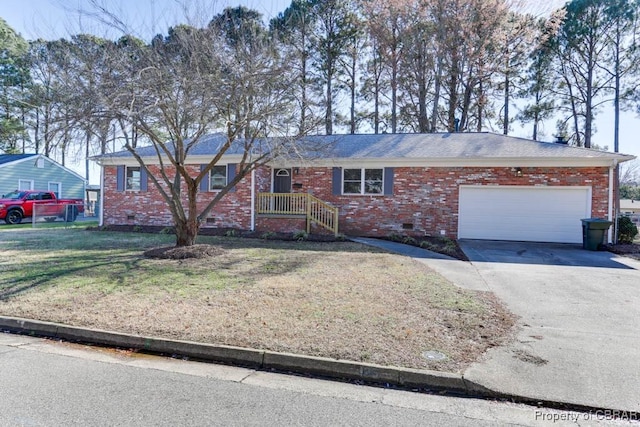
{"x":296,"y":170}
{"x":518,"y":172}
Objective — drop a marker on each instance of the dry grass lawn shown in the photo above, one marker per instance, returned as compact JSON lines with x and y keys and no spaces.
{"x":339,"y":299}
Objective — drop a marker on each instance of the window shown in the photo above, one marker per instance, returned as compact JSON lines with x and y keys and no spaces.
{"x":133,"y":178}
{"x":218,"y":177}
{"x":25,"y":184}
{"x":55,"y":187}
{"x":40,"y":163}
{"x":362,"y":181}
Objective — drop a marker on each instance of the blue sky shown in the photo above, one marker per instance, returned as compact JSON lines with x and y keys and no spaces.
{"x":51,"y":19}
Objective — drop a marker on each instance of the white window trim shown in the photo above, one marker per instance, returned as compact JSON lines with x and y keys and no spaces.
{"x":362,"y":183}
{"x":59,"y":184}
{"x":20,"y":181}
{"x":126,"y":178}
{"x":226,"y":178}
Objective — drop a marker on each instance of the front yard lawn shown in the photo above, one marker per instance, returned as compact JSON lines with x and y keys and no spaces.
{"x":332,"y":299}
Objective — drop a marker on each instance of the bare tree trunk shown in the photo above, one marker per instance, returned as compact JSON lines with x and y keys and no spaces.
{"x":574,"y":111}
{"x":187,"y":228}
{"x":394,"y":93}
{"x":436,"y":95}
{"x":453,"y":91}
{"x":354,"y":59}
{"x":505,"y":124}
{"x":588,"y":119}
{"x":328,"y":120}
{"x":36,"y":132}
{"x":303,"y":86}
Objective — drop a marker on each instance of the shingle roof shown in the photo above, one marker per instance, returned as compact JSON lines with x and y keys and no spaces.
{"x":481,"y":145}
{"x":208,"y":144}
{"x":451,"y":145}
{"x":8,"y":158}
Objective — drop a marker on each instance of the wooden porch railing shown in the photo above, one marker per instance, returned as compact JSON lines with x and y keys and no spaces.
{"x":314,"y":209}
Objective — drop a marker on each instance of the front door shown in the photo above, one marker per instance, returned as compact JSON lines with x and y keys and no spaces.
{"x":282,"y":181}
{"x":282,"y":184}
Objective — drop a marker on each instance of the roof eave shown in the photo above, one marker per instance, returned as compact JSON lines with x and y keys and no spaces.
{"x":462,"y":161}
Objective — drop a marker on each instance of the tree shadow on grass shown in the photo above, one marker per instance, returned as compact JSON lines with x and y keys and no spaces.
{"x":39,"y":276}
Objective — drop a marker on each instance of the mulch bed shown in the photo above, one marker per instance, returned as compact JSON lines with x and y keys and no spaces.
{"x":437,"y":244}
{"x":631,"y":250}
{"x":184,"y":252}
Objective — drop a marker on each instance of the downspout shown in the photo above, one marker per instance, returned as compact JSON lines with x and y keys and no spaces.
{"x":101,"y":212}
{"x":253,"y":200}
{"x":616,"y":201}
{"x":611,"y":193}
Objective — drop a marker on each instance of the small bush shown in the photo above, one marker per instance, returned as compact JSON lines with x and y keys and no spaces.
{"x":137,"y":228}
{"x":425,"y":244}
{"x":268,"y":235}
{"x":300,"y":235}
{"x":627,"y":230}
{"x":408,"y":240}
{"x":166,"y":230}
{"x":394,"y":237}
{"x":230,"y":233}
{"x":341,"y":237}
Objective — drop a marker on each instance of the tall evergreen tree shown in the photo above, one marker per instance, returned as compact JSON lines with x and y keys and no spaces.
{"x":14,"y":76}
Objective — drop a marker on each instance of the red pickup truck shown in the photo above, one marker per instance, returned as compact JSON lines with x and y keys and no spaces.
{"x":20,"y":204}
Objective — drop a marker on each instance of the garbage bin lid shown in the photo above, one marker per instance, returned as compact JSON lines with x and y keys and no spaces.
{"x":595,"y":220}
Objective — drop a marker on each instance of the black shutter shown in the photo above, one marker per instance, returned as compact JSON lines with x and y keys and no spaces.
{"x":120,"y":178}
{"x":204,"y":184}
{"x":388,"y":181}
{"x":337,"y":181}
{"x":143,"y":179}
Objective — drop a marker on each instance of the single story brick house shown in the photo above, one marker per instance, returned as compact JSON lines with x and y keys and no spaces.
{"x":460,"y":185}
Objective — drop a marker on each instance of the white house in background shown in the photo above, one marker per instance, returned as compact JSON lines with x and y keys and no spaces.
{"x":38,"y":172}
{"x":631,"y":208}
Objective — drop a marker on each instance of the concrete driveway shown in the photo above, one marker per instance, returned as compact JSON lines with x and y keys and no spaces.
{"x":579,"y":336}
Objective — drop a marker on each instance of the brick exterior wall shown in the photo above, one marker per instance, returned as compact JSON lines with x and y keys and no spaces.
{"x":149,"y":208}
{"x":424,"y":198}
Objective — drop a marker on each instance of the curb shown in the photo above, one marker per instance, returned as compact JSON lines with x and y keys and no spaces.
{"x":406,"y":378}
{"x":257,"y":359}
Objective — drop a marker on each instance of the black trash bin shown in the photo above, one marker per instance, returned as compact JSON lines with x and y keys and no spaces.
{"x":594,"y":231}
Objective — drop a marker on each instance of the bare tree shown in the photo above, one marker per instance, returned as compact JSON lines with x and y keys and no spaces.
{"x":190,"y":83}
{"x":386,"y":27}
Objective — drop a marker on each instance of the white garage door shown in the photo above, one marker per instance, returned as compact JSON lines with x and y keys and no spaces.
{"x":535,"y":214}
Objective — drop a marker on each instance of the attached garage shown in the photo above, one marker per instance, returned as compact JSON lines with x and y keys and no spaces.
{"x":523,"y":213}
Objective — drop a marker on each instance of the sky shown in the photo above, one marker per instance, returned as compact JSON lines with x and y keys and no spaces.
{"x":52,"y":19}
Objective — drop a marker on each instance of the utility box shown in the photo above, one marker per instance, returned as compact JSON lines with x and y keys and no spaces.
{"x":594,"y":231}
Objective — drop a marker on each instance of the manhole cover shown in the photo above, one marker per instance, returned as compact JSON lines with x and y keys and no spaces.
{"x":434,"y":355}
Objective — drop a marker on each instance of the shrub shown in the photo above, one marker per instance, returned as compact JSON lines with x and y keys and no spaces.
{"x":627,"y":230}
{"x":394,"y":237}
{"x":425,"y":244}
{"x":137,"y":228}
{"x":167,"y":230}
{"x":230,"y":233}
{"x":408,"y":240}
{"x":300,"y":235}
{"x":268,"y":235}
